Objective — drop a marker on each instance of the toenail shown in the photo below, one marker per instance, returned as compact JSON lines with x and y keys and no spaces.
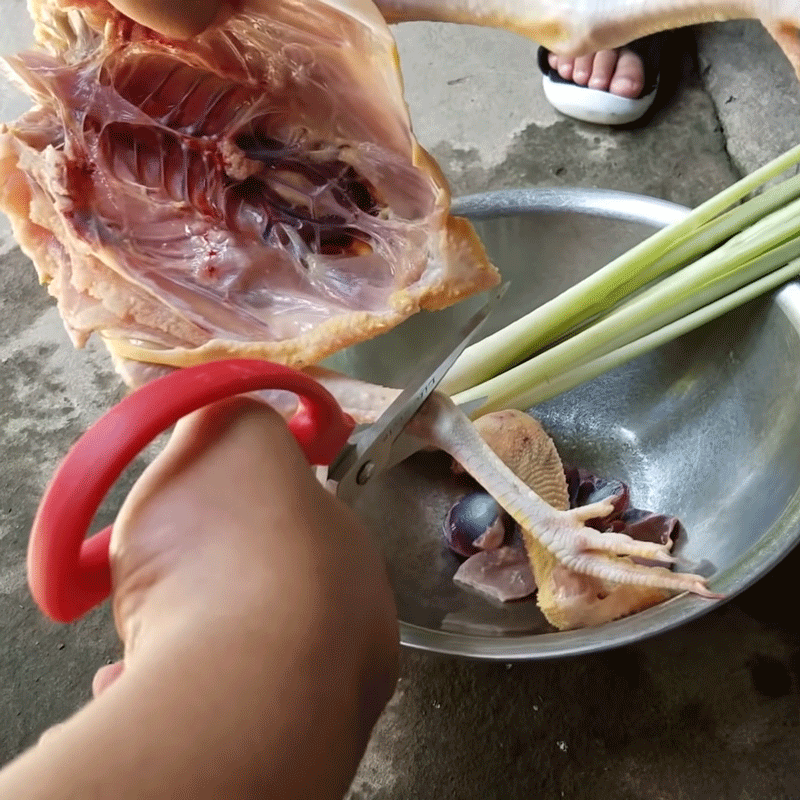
{"x":623,"y":86}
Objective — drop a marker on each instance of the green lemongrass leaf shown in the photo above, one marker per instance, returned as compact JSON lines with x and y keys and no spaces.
{"x":547,"y":388}
{"x":695,"y":245}
{"x":595,"y":294}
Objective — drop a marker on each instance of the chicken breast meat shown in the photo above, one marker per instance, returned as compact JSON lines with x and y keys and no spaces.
{"x":256,"y":192}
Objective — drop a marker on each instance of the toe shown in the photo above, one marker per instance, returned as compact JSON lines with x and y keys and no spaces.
{"x":565,"y":67}
{"x":603,"y":67}
{"x":582,"y":69}
{"x":598,"y":510}
{"x":628,"y":79}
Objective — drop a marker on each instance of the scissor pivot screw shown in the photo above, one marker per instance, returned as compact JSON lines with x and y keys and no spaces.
{"x":365,"y":473}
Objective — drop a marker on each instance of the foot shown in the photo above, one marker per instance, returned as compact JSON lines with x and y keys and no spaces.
{"x":619,"y":72}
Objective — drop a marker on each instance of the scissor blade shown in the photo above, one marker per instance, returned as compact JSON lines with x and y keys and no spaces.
{"x":373,"y":449}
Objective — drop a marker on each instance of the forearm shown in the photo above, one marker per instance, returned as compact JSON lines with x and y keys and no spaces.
{"x":175,"y":726}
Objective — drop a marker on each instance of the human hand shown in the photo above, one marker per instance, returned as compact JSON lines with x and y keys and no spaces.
{"x":259,"y":630}
{"x":231,"y":506}
{"x":176,"y":19}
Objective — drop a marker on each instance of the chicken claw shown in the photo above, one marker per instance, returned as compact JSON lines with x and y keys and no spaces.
{"x":443,"y":425}
{"x":619,"y":543}
{"x":622,"y":571}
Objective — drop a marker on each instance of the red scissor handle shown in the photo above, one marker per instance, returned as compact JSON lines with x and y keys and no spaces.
{"x":69,"y":574}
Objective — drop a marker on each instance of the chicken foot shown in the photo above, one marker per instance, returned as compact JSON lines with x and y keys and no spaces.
{"x":441,"y":424}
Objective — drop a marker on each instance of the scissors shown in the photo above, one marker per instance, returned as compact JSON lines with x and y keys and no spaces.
{"x":69,"y":574}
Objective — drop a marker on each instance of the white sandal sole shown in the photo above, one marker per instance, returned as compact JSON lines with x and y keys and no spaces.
{"x":595,"y":106}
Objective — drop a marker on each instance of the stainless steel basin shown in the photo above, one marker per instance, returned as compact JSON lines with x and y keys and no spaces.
{"x":705,"y":428}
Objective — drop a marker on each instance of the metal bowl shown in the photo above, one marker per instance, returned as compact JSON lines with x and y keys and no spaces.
{"x":705,"y":428}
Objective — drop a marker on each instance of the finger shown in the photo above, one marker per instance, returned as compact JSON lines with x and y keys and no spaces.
{"x":628,"y":80}
{"x":51,"y":732}
{"x":105,"y":676}
{"x":177,"y":19}
{"x":583,"y":69}
{"x":235,"y":439}
{"x":170,"y":522}
{"x":603,"y":69}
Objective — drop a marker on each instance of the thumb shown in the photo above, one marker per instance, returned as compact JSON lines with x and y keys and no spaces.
{"x":105,"y":676}
{"x":176,"y":19}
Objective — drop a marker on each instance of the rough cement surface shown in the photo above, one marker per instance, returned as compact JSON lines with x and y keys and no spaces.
{"x":500,"y":132}
{"x":755,"y":89}
{"x":707,"y":712}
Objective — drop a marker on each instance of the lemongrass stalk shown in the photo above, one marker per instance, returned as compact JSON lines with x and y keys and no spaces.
{"x":548,"y":388}
{"x":696,"y":244}
{"x":713,"y":233}
{"x":740,"y":275}
{"x":757,"y":250}
{"x":498,"y":351}
{"x":548,"y":367}
{"x":738,"y":261}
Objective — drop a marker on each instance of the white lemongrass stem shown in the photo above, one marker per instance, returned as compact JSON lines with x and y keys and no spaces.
{"x":548,"y":387}
{"x":506,"y":347}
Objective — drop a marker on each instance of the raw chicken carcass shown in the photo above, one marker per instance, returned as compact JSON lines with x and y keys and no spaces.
{"x":254,"y":192}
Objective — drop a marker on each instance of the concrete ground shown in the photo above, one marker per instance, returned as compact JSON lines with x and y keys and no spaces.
{"x":708,"y":712}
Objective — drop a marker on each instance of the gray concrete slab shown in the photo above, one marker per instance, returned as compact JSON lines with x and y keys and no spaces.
{"x":477,"y":104}
{"x":708,"y":712}
{"x":754,"y":88}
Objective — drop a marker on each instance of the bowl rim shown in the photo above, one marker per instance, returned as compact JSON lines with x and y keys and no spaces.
{"x":773,"y":546}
